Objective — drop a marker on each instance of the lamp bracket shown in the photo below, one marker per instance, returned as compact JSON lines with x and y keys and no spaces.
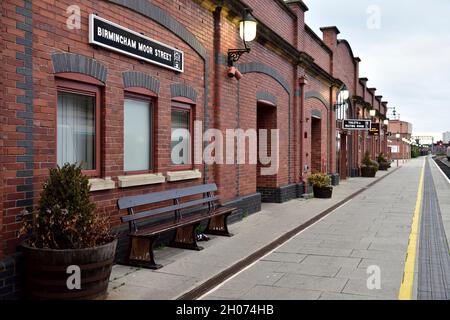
{"x":235,"y":54}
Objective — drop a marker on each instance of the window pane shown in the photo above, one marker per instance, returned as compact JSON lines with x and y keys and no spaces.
{"x":76,"y":130}
{"x":137,"y":122}
{"x":181,"y":139}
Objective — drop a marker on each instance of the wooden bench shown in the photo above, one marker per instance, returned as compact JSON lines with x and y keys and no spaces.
{"x":182,"y":216}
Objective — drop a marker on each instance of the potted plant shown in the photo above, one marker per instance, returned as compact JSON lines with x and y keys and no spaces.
{"x":69,"y":250}
{"x":384,"y":165}
{"x":369,"y":168}
{"x":321,"y":185}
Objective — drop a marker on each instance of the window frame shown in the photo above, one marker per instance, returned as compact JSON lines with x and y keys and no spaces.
{"x":184,"y":106}
{"x":143,"y":96}
{"x":86,"y":89}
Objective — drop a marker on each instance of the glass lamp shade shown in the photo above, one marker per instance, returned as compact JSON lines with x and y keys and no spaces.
{"x":373,"y":113}
{"x":344,"y":95}
{"x":398,"y":135}
{"x":386,"y":122}
{"x":248,"y":28}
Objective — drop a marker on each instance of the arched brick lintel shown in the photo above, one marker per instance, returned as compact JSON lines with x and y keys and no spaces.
{"x":183,"y":90}
{"x":133,"y":79}
{"x":318,"y":96}
{"x":266,"y":96}
{"x":256,"y":67}
{"x":76,"y":63}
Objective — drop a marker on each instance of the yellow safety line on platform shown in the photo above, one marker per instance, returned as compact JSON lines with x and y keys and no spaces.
{"x":406,"y":289}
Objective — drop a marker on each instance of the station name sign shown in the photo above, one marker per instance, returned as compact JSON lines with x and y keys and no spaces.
{"x":111,"y":36}
{"x":363,"y":125}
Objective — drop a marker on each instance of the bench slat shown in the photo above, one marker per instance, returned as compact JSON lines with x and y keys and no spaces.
{"x":152,"y":230}
{"x":154,"y":212}
{"x":136,"y":201}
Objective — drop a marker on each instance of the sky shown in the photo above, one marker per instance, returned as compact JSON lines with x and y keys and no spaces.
{"x":404,"y":46}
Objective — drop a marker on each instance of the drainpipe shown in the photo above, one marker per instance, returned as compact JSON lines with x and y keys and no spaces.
{"x":218,"y":75}
{"x":302,"y":82}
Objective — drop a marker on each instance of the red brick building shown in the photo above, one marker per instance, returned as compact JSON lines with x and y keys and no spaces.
{"x":400,"y":139}
{"x":290,"y":81}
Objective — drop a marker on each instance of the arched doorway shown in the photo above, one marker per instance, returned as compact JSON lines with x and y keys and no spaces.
{"x":316,"y":142}
{"x":266,"y":119}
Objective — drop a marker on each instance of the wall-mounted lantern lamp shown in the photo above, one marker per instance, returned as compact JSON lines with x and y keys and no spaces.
{"x":344,"y":94}
{"x":247,"y":32}
{"x":386,"y":122}
{"x":373,"y":113}
{"x":342,"y":107}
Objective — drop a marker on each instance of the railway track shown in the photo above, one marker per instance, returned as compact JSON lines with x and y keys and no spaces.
{"x":444,"y":165}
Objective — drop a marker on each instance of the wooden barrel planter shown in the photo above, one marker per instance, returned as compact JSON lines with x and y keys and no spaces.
{"x":384,"y":166}
{"x":368,"y":172}
{"x":323,"y":193}
{"x":46,"y":272}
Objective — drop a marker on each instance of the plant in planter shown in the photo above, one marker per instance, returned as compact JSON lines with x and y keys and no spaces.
{"x":69,"y":251}
{"x":384,"y":165}
{"x":321,"y":185}
{"x":369,"y":168}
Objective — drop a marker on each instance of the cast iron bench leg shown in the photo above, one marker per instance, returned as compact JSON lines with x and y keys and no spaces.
{"x":186,"y":238}
{"x":141,"y":254}
{"x":219,"y":226}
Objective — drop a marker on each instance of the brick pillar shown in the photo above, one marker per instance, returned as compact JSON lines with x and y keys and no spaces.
{"x":302,"y":82}
{"x":332,"y":133}
{"x":17,"y":163}
{"x":329,"y":35}
{"x":2,"y":121}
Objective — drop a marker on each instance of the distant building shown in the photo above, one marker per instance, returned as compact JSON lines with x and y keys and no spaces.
{"x":398,"y":147}
{"x":446,"y":137}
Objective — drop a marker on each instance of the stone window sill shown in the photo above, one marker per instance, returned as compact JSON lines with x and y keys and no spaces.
{"x":101,"y":184}
{"x":183,"y":175}
{"x":141,"y":180}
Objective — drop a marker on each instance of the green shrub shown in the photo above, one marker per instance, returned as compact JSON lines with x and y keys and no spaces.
{"x":381,"y":158}
{"x":368,"y":162}
{"x":415,"y":152}
{"x":320,"y":180}
{"x":65,"y":218}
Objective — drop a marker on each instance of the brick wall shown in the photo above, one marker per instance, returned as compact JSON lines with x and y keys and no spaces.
{"x":345,"y":68}
{"x":51,"y":37}
{"x":269,"y":11}
{"x":315,"y":48}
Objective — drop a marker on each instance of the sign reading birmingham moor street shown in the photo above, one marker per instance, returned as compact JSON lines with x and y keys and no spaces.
{"x":111,"y":36}
{"x":363,"y":125}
